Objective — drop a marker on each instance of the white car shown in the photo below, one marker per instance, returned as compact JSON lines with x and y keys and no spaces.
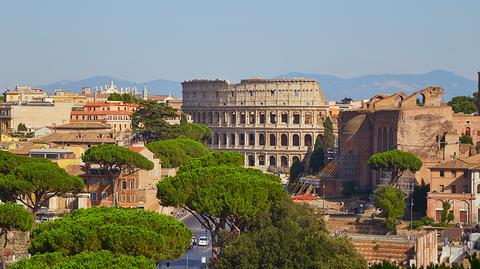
{"x":203,"y":241}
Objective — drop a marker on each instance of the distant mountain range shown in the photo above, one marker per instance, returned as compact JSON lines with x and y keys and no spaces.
{"x":155,"y":87}
{"x":335,"y":88}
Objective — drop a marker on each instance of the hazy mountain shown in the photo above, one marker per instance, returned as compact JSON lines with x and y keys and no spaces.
{"x":155,"y":87}
{"x":335,"y":88}
{"x":367,"y":86}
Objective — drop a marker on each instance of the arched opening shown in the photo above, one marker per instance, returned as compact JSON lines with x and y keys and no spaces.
{"x":261,"y":159}
{"x":468,"y":131}
{"x":262,"y":118}
{"x":216,"y":118}
{"x":308,"y":118}
{"x":308,"y":140}
{"x":233,"y":118}
{"x":124,"y":184}
{"x":296,"y":140}
{"x":242,"y":118}
{"x":251,"y":139}
{"x":284,"y":117}
{"x":251,"y":118}
{"x":232,"y":139}
{"x":210,"y":117}
{"x":478,"y":188}
{"x":251,"y":160}
{"x":215,"y":139}
{"x":273,"y":117}
{"x":273,"y":161}
{"x":261,"y":139}
{"x":284,"y":161}
{"x":273,"y":140}
{"x":420,"y":99}
{"x":284,"y":140}
{"x":224,"y":139}
{"x":204,"y":117}
{"x":295,"y":158}
{"x":242,"y":139}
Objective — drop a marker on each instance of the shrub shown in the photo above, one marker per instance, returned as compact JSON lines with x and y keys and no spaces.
{"x":178,"y":151}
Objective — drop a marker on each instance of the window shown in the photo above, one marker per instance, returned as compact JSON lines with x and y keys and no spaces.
{"x":442,"y":173}
{"x":454,"y":173}
{"x":104,"y":196}
{"x":465,"y":173}
{"x":262,"y":118}
{"x":93,"y":180}
{"x":465,"y":188}
{"x":124,"y":198}
{"x":296,"y":118}
{"x":124,"y":184}
{"x":284,"y":117}
{"x":132,"y":184}
{"x":132,"y":198}
{"x":442,"y":188}
{"x":93,"y":196}
{"x":454,"y":188}
{"x":105,"y":181}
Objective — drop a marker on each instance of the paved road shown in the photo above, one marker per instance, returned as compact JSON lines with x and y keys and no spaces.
{"x":192,"y":259}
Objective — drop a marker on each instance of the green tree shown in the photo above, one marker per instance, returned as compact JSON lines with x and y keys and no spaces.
{"x":183,"y":120}
{"x":196,"y":131}
{"x":419,"y":195}
{"x":86,"y":260}
{"x":227,"y":200}
{"x":466,"y":139}
{"x":124,"y":97}
{"x":396,"y":162}
{"x":317,"y":159}
{"x":391,"y":201}
{"x":115,"y":160}
{"x":465,"y":104}
{"x":346,"y":100}
{"x":349,"y":188}
{"x":296,"y":239}
{"x":328,"y":135}
{"x":213,"y":159}
{"x":149,"y":122}
{"x":123,"y":231}
{"x":14,"y":217}
{"x":22,"y":127}
{"x":178,"y":151}
{"x":296,"y":170}
{"x":34,"y":181}
{"x":447,"y":214}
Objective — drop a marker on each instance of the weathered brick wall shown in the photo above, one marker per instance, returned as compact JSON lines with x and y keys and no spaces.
{"x":17,"y":246}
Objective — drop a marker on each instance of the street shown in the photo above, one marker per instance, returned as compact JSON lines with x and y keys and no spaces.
{"x":192,"y":258}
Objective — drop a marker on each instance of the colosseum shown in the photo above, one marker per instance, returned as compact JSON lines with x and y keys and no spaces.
{"x":271,"y":121}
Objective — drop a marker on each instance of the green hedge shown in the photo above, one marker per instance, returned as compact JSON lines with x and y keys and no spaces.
{"x":178,"y":151}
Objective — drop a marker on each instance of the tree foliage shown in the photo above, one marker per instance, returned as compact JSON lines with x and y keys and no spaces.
{"x":295,"y":239}
{"x":123,"y":231}
{"x":213,"y":159}
{"x":328,"y":136}
{"x":396,"y":162}
{"x":115,"y":159}
{"x":466,"y":139}
{"x":447,"y":214}
{"x":196,"y":131}
{"x":124,"y":97}
{"x":85,"y":260}
{"x":149,"y":122}
{"x":14,"y":217}
{"x":296,"y":169}
{"x":465,"y":104}
{"x":33,"y":181}
{"x":178,"y":151}
{"x":225,"y":199}
{"x":317,"y":159}
{"x":391,"y":201}
{"x":22,"y":127}
{"x":419,"y":195}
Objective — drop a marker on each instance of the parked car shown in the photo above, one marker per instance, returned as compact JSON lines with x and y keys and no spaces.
{"x":203,"y":241}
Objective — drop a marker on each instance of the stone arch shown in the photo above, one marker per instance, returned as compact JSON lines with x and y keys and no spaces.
{"x":233,"y":118}
{"x":284,"y":140}
{"x":216,"y":118}
{"x":296,"y":140}
{"x":295,"y":158}
{"x":242,"y":139}
{"x":261,"y":159}
{"x":284,"y":161}
{"x":273,"y":117}
{"x":215,"y":139}
{"x":272,"y":161}
{"x":478,"y":188}
{"x":251,"y":160}
{"x":232,"y":139}
{"x":210,"y":117}
{"x":242,"y":117}
{"x":262,"y":117}
{"x":420,"y":99}
{"x":251,"y":139}
{"x":261,"y":139}
{"x":273,"y":140}
{"x":224,"y":138}
{"x":251,"y":118}
{"x":204,"y":117}
{"x":307,"y":140}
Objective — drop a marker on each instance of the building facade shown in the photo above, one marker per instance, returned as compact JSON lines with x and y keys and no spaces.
{"x":458,"y":183}
{"x":115,"y":113}
{"x":270,"y":121}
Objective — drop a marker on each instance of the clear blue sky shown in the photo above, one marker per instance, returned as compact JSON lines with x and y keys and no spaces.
{"x":46,"y":41}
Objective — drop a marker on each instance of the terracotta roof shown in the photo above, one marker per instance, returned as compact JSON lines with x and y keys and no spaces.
{"x":75,"y":170}
{"x":101,"y":112}
{"x":461,"y":163}
{"x":136,"y":148}
{"x":83,"y":125}
{"x":76,"y":138}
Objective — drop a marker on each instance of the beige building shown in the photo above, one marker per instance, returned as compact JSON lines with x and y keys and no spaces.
{"x":271,"y":121}
{"x":33,"y":115}
{"x":24,"y":94}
